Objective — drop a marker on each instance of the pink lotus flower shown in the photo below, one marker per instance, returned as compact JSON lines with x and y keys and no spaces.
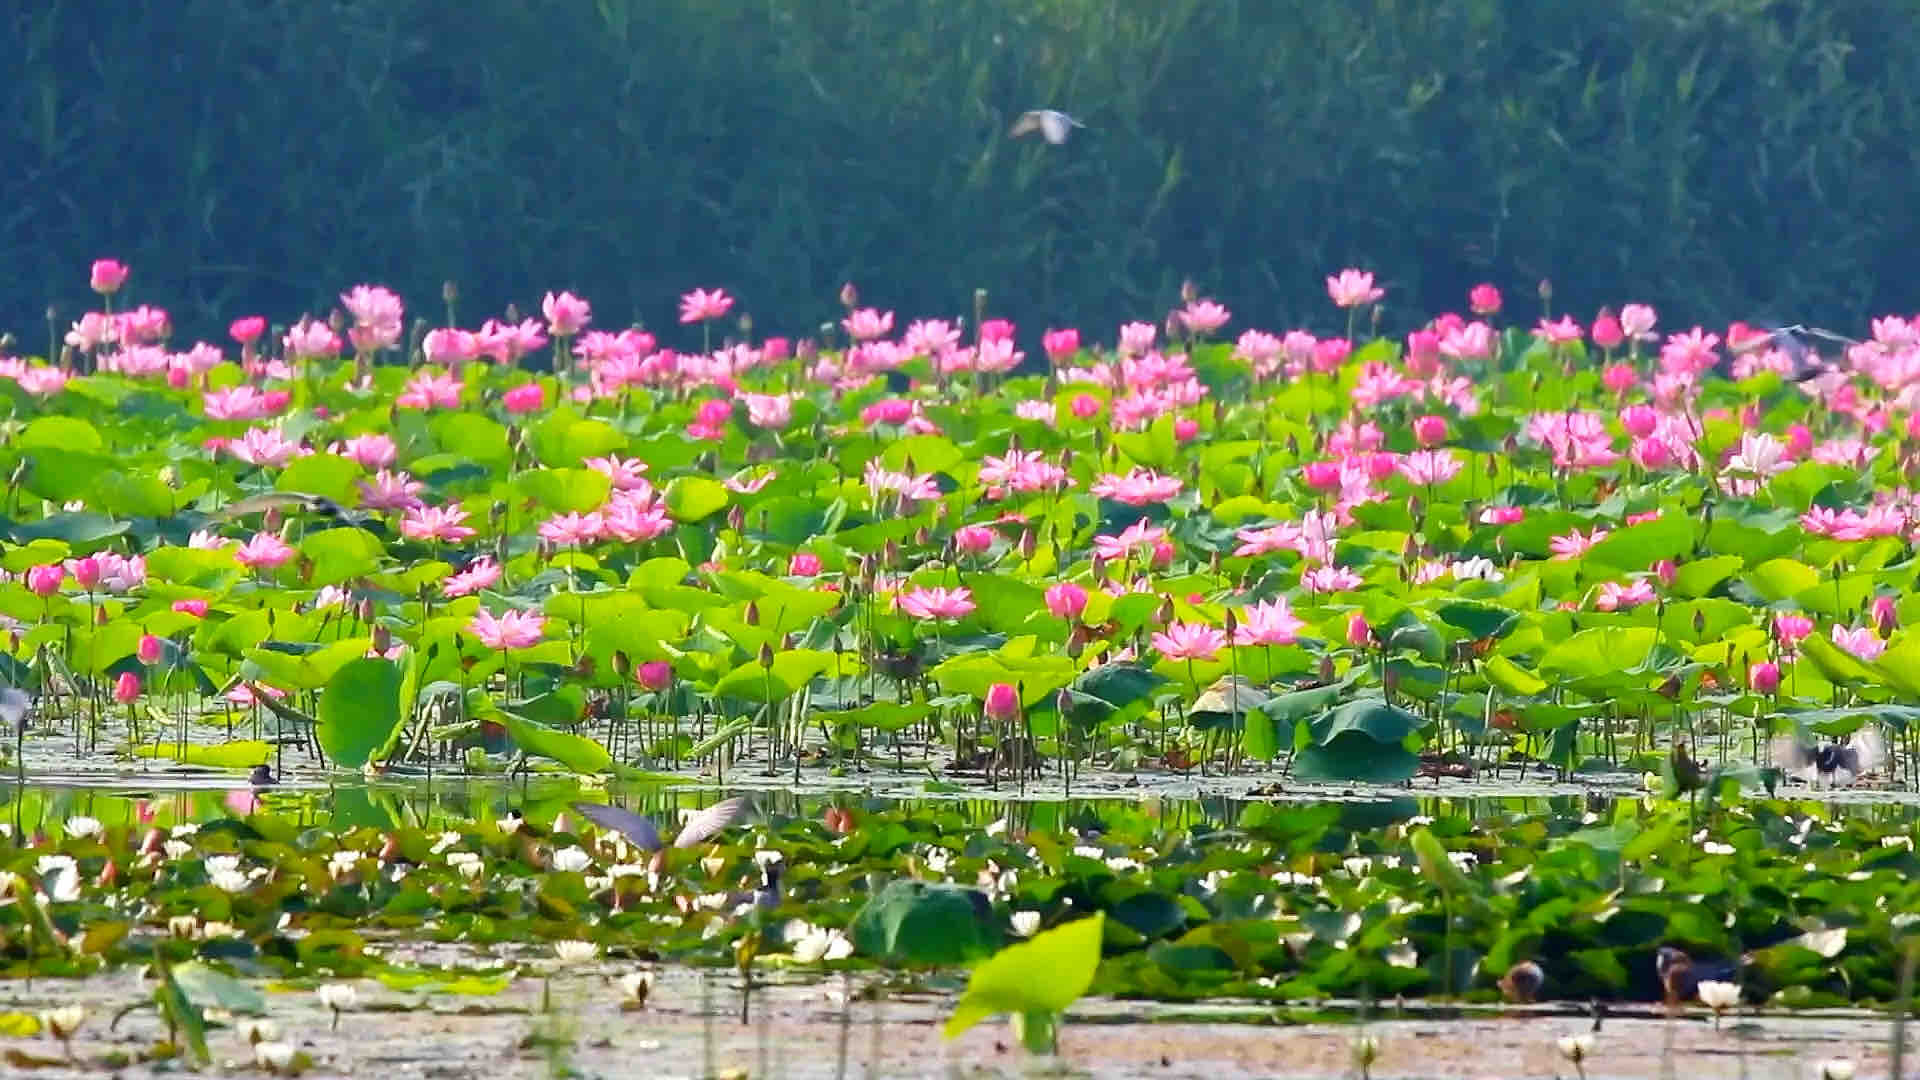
{"x":1269,"y":622}
{"x":195,"y":608}
{"x":711,"y":419}
{"x":1066,"y":600}
{"x":769,"y":412}
{"x":86,"y":572}
{"x":450,"y":347}
{"x":377,"y":317}
{"x":126,"y":689}
{"x":1789,"y":628}
{"x":1141,"y":534}
{"x":1359,"y":634}
{"x":803,"y":564}
{"x":430,"y":390}
{"x":973,"y":539}
{"x":93,"y":331}
{"x":1474,"y":341}
{"x":632,"y":517}
{"x":1353,"y":288}
{"x":627,"y":474}
{"x":1002,"y":702}
{"x":1637,"y":321}
{"x":513,"y":630}
{"x":265,"y":551}
{"x":882,"y":481}
{"x":309,"y":339}
{"x":373,"y":451}
{"x":1860,"y":641}
{"x":1321,"y":475}
{"x":1203,"y":317}
{"x":1060,"y":344}
{"x":1606,"y":332}
{"x":107,"y":276}
{"x":1330,"y":353}
{"x":436,"y":523}
{"x":701,"y":305}
{"x":895,"y":411}
{"x":1575,"y":544}
{"x":1619,"y":378}
{"x":866,"y":324}
{"x":1136,"y":338}
{"x":525,"y":398}
{"x":1483,"y":299}
{"x":996,"y":330}
{"x":654,"y":675}
{"x":1503,"y":515}
{"x":265,"y":447}
{"x":480,"y":574}
{"x":1430,"y":466}
{"x":937,"y":603}
{"x":390,"y":491}
{"x":1138,"y":487}
{"x":566,"y":313}
{"x":572,"y":529}
{"x":247,"y":331}
{"x":1617,"y":597}
{"x":1430,"y":430}
{"x":1330,"y":579}
{"x":1084,"y":406}
{"x":1257,"y":542}
{"x":1561,"y":331}
{"x":1189,"y":641}
{"x":1764,"y":677}
{"x":45,"y":580}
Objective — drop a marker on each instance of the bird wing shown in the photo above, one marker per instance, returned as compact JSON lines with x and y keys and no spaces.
{"x":1792,"y":756}
{"x":1869,"y":748}
{"x":13,"y":707}
{"x":712,"y":821}
{"x":1029,"y":122}
{"x":638,"y":828}
{"x":271,"y":500}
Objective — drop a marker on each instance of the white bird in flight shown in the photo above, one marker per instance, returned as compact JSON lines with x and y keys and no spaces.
{"x":1053,"y":125}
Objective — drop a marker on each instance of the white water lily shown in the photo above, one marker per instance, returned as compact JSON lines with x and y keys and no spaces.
{"x":338,"y":997}
{"x":256,"y":1031}
{"x":1834,"y":1069}
{"x":81,"y":827}
{"x":183,"y":926}
{"x":467,"y":864}
{"x":63,"y":885}
{"x":1576,"y":1048}
{"x":230,"y":881}
{"x":819,"y":943}
{"x":1025,"y":923}
{"x":184,"y":832}
{"x":176,"y":849}
{"x":212,"y":930}
{"x":1357,"y":866}
{"x":1402,"y":955}
{"x":575,"y":952}
{"x":766,"y":857}
{"x":218,"y":863}
{"x":446,"y":842}
{"x":636,"y":985}
{"x":511,"y":823}
{"x":64,"y":1021}
{"x":1718,"y":995}
{"x":52,"y":864}
{"x":274,"y":1057}
{"x":571,"y":860}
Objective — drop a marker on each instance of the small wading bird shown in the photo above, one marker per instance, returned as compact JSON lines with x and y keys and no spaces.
{"x":1681,"y":975}
{"x":278,"y":500}
{"x":1053,"y":125}
{"x":1835,"y":764}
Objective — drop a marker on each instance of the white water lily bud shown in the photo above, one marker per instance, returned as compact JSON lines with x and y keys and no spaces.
{"x":253,"y":1032}
{"x":275,"y":1057}
{"x":571,"y":860}
{"x":183,"y":926}
{"x":81,"y":827}
{"x":636,"y":985}
{"x":1718,"y":995}
{"x":575,"y":952}
{"x":1025,"y":923}
{"x":1835,"y":1069}
{"x":64,"y":1021}
{"x":1576,"y":1048}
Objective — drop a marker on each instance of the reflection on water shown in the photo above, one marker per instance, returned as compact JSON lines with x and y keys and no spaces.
{"x":424,"y":805}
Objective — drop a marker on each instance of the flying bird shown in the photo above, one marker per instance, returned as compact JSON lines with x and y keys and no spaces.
{"x":645,"y":834}
{"x":1053,"y":125}
{"x":275,"y":500}
{"x":1834,"y":764}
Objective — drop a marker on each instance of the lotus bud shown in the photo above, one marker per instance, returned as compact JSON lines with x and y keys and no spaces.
{"x":753,"y":613}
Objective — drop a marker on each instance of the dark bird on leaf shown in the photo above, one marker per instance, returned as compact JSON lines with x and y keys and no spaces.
{"x":645,"y":835}
{"x":1522,"y":982}
{"x":1681,"y":975}
{"x":1833,"y":764}
{"x":262,"y":776}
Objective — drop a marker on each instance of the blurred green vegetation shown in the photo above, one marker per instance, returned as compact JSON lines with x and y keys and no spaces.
{"x":1719,"y":158}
